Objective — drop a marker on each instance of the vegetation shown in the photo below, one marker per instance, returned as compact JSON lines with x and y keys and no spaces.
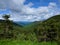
{"x":37,"y":33}
{"x":21,"y":42}
{"x":47,"y":30}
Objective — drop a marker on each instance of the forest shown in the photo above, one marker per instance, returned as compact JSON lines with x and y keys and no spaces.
{"x":46,"y":32}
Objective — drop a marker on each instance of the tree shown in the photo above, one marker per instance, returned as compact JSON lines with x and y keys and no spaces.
{"x":6,"y":17}
{"x":7,"y":25}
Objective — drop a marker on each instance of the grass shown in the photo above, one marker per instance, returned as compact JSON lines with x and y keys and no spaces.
{"x":19,"y":42}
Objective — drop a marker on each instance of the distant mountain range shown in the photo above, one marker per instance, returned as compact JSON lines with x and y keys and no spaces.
{"x":52,"y":21}
{"x":23,"y":23}
{"x":14,"y":23}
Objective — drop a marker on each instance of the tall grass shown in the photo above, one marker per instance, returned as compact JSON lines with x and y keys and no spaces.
{"x":23,"y":42}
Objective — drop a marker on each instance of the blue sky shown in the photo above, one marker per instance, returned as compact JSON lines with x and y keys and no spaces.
{"x":29,"y":10}
{"x":38,"y":3}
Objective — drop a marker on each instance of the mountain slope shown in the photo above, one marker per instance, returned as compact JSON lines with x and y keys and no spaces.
{"x":47,"y":30}
{"x":14,"y":25}
{"x":23,"y":23}
{"x":50,"y":20}
{"x":52,"y":23}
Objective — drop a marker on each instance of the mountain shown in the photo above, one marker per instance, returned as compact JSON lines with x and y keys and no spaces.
{"x":23,"y":23}
{"x":52,"y":22}
{"x":1,"y":21}
{"x":53,"y":19}
{"x":15,"y":25}
{"x":47,"y":30}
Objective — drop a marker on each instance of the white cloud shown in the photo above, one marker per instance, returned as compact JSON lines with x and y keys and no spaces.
{"x":30,"y":4}
{"x":52,"y":4}
{"x":21,"y":12}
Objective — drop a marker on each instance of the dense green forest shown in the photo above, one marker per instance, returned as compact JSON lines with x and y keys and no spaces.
{"x":47,"y":30}
{"x":39,"y":31}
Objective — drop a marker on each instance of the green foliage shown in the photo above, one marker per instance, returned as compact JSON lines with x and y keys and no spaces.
{"x":6,"y":17}
{"x":48,"y":30}
{"x":20,"y":42}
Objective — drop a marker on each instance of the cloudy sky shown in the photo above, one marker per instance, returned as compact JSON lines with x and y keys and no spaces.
{"x":29,"y":10}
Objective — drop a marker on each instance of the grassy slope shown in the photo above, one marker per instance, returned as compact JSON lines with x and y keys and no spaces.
{"x":18,"y":42}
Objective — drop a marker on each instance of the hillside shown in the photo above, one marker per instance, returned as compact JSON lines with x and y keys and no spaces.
{"x":46,"y":30}
{"x":14,"y":27}
{"x":23,"y":23}
{"x":51,"y":19}
{"x":50,"y":26}
{"x":55,"y":20}
{"x":14,"y":23}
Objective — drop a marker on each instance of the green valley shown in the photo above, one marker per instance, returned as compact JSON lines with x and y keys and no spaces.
{"x":45,"y":32}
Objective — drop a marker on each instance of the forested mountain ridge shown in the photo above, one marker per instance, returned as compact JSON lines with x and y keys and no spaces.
{"x":47,"y":30}
{"x":49,"y":20}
